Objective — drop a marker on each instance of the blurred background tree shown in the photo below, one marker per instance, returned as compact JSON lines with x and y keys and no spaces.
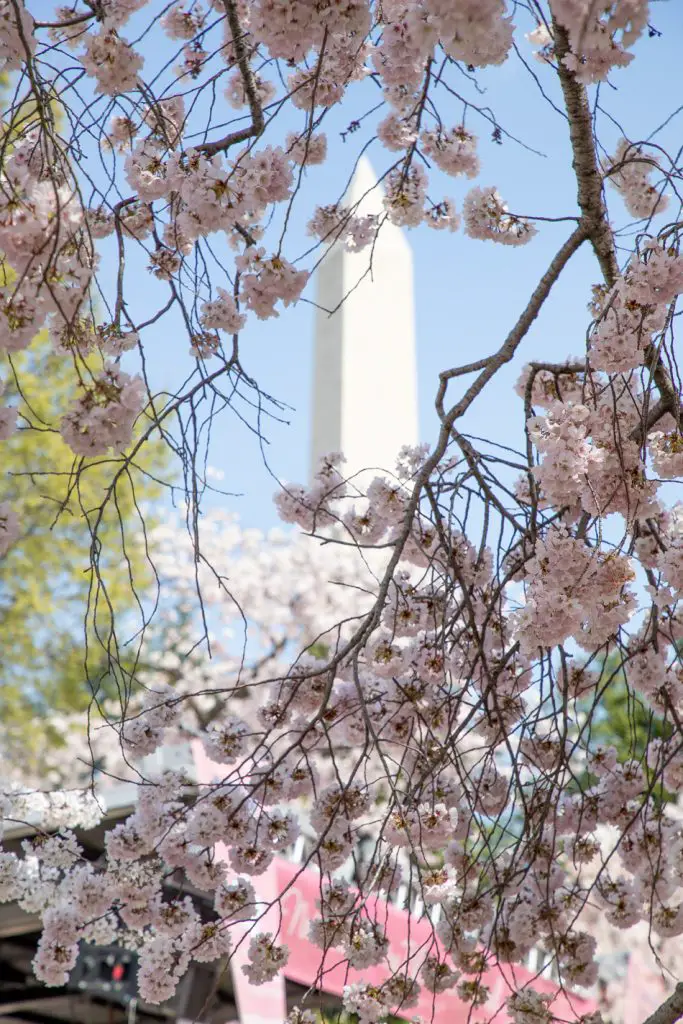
{"x":623,"y":720}
{"x":626,"y":720}
{"x":46,"y":588}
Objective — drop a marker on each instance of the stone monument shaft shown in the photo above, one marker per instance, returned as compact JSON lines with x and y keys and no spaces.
{"x":365,"y":379}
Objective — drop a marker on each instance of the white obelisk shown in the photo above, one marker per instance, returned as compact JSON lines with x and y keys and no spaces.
{"x":365,"y":374}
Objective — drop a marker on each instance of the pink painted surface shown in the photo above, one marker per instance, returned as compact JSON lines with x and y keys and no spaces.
{"x":645,"y":990}
{"x":256,"y":1004}
{"x":408,"y":938}
{"x":259,"y":1004}
{"x":299,"y":888}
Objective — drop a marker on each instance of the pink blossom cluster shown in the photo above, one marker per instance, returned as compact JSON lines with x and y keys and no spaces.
{"x":264,"y":282}
{"x":473,"y":32}
{"x":35,"y":207}
{"x":477,"y":32}
{"x":222,"y":313}
{"x":15,"y":36}
{"x":396,"y":133}
{"x":142,"y":734}
{"x":599,"y":34}
{"x":312,"y":508}
{"x":338,"y":223}
{"x":235,"y":92}
{"x":119,"y":11}
{"x":487,"y":217}
{"x":572,"y":592}
{"x":183,"y":21}
{"x":454,"y":152}
{"x":166,"y":118}
{"x":631,"y":177}
{"x":266,"y":959}
{"x":289,"y":31}
{"x":408,"y":39}
{"x":120,"y":133}
{"x":443,"y":216}
{"x":530,"y":1007}
{"x":104,"y":416}
{"x":366,"y":1000}
{"x":579,"y":467}
{"x":635,"y":310}
{"x":70,"y":895}
{"x":667,"y":454}
{"x":406,"y":190}
{"x":309,"y":149}
{"x":324,"y":85}
{"x":111,"y":61}
{"x":210,"y":195}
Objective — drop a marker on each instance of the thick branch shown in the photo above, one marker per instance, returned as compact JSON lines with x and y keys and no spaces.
{"x":79,"y":19}
{"x":258,"y":123}
{"x":585,"y":162}
{"x":670,"y":1011}
{"x":591,"y":200}
{"x":654,"y":414}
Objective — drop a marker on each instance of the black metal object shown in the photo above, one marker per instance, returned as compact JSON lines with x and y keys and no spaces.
{"x":108,"y":972}
{"x":102,"y":986}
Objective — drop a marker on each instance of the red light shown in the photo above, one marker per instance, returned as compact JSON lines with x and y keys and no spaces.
{"x":117,"y":972}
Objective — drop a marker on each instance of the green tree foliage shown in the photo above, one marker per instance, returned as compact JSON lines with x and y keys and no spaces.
{"x":53,"y":607}
{"x":622,"y":719}
{"x":625,"y":721}
{"x":57,"y":615}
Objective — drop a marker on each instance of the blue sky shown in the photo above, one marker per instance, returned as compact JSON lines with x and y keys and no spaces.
{"x":467,"y":293}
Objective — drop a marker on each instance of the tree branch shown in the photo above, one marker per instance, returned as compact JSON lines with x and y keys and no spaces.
{"x":671,"y":1010}
{"x":591,"y":199}
{"x":79,"y":19}
{"x":492,"y":364}
{"x":258,"y":123}
{"x":585,"y":162}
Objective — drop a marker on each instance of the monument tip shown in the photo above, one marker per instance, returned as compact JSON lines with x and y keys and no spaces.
{"x":364,"y":189}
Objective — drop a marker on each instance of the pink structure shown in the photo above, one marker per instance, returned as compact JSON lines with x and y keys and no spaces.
{"x":645,"y":990}
{"x":298,"y":888}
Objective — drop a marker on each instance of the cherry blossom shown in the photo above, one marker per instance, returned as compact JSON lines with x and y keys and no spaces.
{"x":453,"y":152}
{"x":633,"y":170}
{"x":486,"y":216}
{"x":112,"y":61}
{"x":183,"y":21}
{"x":407,"y":683}
{"x":14,"y":37}
{"x":599,"y":35}
{"x":103,"y":417}
{"x":265,"y":959}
